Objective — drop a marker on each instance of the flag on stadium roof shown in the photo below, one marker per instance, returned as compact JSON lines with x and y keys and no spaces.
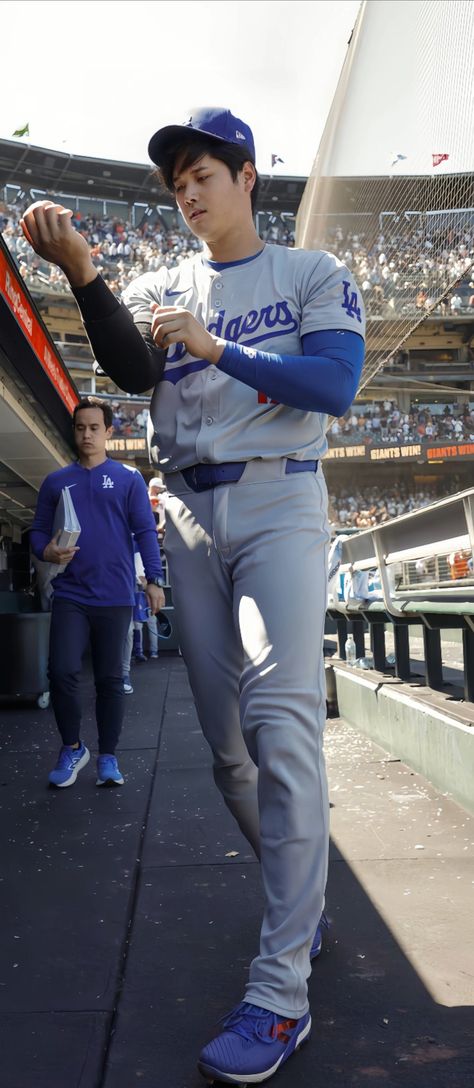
{"x":275,"y":159}
{"x":25,"y":131}
{"x":396,"y":157}
{"x":439,"y":158}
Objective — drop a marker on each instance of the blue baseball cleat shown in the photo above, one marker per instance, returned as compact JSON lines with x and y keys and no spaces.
{"x":253,"y":1046}
{"x":318,"y":937}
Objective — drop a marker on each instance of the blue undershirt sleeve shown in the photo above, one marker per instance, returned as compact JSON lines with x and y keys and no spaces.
{"x":324,"y":379}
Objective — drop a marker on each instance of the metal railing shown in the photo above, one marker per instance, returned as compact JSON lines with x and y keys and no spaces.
{"x":423,"y":562}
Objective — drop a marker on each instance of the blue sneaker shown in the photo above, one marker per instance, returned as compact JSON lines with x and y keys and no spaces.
{"x":70,"y":762}
{"x":108,"y":773}
{"x":318,"y":937}
{"x":254,"y":1044}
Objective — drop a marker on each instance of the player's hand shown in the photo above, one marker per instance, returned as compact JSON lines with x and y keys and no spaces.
{"x":156,"y":598}
{"x":175,"y":325}
{"x":48,"y":228}
{"x":54,"y":554}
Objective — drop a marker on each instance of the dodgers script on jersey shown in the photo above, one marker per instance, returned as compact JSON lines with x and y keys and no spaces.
{"x":269,"y":301}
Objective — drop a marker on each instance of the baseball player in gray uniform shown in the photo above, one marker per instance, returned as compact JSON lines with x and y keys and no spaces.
{"x":248,"y":347}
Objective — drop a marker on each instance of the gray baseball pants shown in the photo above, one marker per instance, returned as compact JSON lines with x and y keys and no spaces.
{"x":248,"y":569}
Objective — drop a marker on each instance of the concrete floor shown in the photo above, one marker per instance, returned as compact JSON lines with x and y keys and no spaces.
{"x":129,"y":917}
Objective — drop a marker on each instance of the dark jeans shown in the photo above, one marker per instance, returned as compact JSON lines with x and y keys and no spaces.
{"x":73,"y":627}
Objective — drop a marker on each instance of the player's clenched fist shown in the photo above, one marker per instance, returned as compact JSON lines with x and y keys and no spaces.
{"x":48,"y":228}
{"x":175,"y":325}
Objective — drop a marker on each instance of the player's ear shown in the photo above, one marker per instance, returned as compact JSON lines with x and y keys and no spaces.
{"x":249,"y":174}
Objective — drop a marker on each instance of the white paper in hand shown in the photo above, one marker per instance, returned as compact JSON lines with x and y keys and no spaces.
{"x":66,"y":523}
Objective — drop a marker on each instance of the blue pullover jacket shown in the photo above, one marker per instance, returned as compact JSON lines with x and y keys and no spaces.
{"x":111,"y":503}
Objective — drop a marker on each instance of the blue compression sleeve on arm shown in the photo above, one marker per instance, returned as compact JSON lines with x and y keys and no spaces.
{"x":323,"y":379}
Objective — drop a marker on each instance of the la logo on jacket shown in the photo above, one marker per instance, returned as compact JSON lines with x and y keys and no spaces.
{"x":107,"y":482}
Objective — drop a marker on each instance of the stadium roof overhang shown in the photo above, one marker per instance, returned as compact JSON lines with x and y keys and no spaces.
{"x":37,"y":396}
{"x":360,"y":195}
{"x":32,"y":167}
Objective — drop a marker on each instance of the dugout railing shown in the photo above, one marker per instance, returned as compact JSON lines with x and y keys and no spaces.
{"x":423,"y":561}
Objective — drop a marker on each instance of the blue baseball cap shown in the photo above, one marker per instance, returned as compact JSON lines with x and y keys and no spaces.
{"x":214,"y":121}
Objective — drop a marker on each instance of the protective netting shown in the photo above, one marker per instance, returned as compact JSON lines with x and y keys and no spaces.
{"x":392,"y":188}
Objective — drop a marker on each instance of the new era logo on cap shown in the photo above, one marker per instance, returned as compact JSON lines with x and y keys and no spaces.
{"x":214,"y":121}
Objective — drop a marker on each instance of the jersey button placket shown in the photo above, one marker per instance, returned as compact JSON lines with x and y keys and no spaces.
{"x":209,"y":403}
{"x":210,"y":406}
{"x":217,"y":299}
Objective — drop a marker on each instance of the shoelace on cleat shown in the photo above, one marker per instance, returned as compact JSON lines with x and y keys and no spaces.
{"x":251,"y":1022}
{"x":108,"y":764}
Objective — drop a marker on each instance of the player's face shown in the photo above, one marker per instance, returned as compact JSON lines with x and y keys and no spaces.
{"x":90,"y":432}
{"x":210,"y":201}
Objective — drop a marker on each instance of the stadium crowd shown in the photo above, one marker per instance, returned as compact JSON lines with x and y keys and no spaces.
{"x":120,"y":251}
{"x":406,"y":270}
{"x":400,"y":273}
{"x":129,"y":420}
{"x":362,"y":508}
{"x":384,"y":423}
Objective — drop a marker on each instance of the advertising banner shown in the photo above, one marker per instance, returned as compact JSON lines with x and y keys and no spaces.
{"x":414,"y":451}
{"x":12,"y":291}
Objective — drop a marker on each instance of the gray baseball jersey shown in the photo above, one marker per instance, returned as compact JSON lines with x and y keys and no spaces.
{"x":268,"y":301}
{"x":254,"y":654}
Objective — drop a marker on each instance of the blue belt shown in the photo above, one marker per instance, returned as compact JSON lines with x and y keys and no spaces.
{"x":203,"y":477}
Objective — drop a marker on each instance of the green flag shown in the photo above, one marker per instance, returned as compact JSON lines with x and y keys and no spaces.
{"x":25,"y":131}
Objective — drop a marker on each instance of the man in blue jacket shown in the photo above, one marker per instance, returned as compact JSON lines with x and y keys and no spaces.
{"x":94,"y":595}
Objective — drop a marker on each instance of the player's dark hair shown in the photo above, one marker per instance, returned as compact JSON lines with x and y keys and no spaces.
{"x":94,"y":402}
{"x":190,"y":150}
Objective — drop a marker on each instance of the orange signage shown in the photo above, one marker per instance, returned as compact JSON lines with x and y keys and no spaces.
{"x":416,"y":450}
{"x":17,"y":301}
{"x":438,"y":453}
